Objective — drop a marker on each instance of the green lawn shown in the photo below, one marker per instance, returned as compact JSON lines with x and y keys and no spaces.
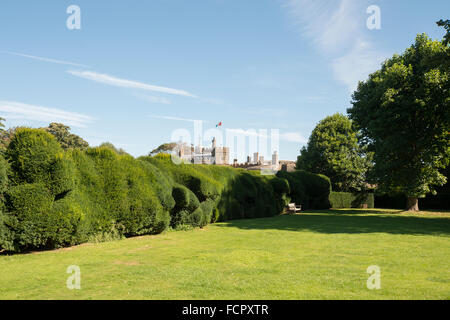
{"x":315,"y":255}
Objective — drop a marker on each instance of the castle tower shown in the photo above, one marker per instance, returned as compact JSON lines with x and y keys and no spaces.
{"x":256,"y":158}
{"x":275,"y":159}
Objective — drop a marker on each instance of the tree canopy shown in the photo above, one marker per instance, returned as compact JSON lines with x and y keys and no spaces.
{"x":163,"y":148}
{"x":446,"y":25}
{"x":403,"y":112}
{"x":66,"y":139}
{"x":6,"y":136}
{"x":333,"y":150}
{"x":109,"y":145}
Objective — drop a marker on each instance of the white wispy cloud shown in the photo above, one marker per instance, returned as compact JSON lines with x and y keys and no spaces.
{"x":22,"y":111}
{"x":152,"y":99}
{"x":357,"y":64}
{"x":338,"y":31}
{"x":271,"y":112}
{"x":125,"y":83}
{"x":46,"y":59}
{"x":293,"y":137}
{"x":176,"y":118}
{"x":286,"y":136}
{"x":329,"y":24}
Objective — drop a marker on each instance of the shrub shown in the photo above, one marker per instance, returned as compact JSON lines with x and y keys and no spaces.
{"x":282,"y":190}
{"x":31,"y":154}
{"x":247,"y":196}
{"x":35,"y":221}
{"x":4,"y":172}
{"x":208,"y":208}
{"x":308,"y":189}
{"x":29,"y":216}
{"x":68,"y":218}
{"x":351,"y":200}
{"x":187,"y":210}
{"x":119,"y":194}
{"x":62,"y":176}
{"x":59,"y":198}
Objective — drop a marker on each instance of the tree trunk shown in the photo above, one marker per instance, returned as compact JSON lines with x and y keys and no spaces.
{"x":412,"y":204}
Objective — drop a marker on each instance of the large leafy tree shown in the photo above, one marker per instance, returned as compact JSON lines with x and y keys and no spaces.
{"x":165,"y":147}
{"x":66,"y":139}
{"x":446,"y":25}
{"x":403,"y":112}
{"x":6,"y":137}
{"x":333,"y":150}
{"x":109,"y":145}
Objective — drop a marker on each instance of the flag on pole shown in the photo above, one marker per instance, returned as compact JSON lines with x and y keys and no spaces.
{"x":219,"y":124}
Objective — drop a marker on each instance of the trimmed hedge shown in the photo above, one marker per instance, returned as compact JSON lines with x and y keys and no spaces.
{"x":351,"y":200}
{"x":310,"y":190}
{"x":440,"y":201}
{"x":32,"y":153}
{"x":224,"y":193}
{"x":187,"y":210}
{"x":53,"y":198}
{"x":4,"y":172}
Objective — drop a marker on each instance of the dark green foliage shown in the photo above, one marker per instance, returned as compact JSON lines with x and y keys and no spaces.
{"x":66,"y":139}
{"x":351,"y":200}
{"x":69,"y":218}
{"x":333,"y":150}
{"x":281,"y":190}
{"x":308,"y":189}
{"x":208,"y":208}
{"x":186,"y":204}
{"x":181,"y":195}
{"x":403,"y":112}
{"x":34,"y":220}
{"x":4,"y":172}
{"x":188,"y":210}
{"x":6,"y":136}
{"x":64,"y":197}
{"x":247,"y":195}
{"x":440,"y":201}
{"x":62,"y":176}
{"x":165,"y":147}
{"x":31,"y":154}
{"x":280,"y":185}
{"x":109,"y":145}
{"x":119,"y":193}
{"x":446,"y":25}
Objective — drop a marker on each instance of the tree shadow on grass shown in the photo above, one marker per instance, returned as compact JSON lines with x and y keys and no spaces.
{"x":337,"y":223}
{"x":355,"y":211}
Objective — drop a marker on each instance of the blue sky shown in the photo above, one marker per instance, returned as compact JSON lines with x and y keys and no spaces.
{"x":138,"y":70}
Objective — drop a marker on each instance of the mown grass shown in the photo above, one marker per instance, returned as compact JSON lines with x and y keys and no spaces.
{"x":314,"y":255}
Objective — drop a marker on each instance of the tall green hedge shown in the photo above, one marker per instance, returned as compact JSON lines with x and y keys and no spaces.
{"x":351,"y":200}
{"x":50,"y":197}
{"x":310,"y":190}
{"x":32,"y":153}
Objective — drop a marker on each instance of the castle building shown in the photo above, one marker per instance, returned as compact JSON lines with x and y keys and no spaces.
{"x":256,"y":158}
{"x":275,"y":159}
{"x":203,"y":155}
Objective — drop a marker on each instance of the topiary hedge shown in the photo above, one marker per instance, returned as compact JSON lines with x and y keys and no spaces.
{"x":310,"y":190}
{"x":52,"y":197}
{"x":31,"y":153}
{"x":352,"y":200}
